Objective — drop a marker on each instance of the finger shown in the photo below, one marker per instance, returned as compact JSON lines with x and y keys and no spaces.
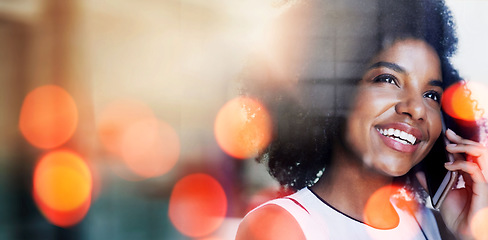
{"x":473,"y":150}
{"x":453,"y":137}
{"x":471,"y":168}
{"x":476,"y":154}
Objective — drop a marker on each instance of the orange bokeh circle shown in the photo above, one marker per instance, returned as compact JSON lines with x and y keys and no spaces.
{"x":243,"y":127}
{"x":197,"y":205}
{"x":48,"y":117}
{"x":466,"y":101}
{"x":62,"y":180}
{"x":379,"y":212}
{"x":384,"y":209}
{"x":447,"y":98}
{"x":62,"y":187}
{"x":462,"y":104}
{"x":150,"y":148}
{"x":63,"y":218}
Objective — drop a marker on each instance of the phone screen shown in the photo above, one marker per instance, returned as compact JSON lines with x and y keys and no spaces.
{"x":439,"y":179}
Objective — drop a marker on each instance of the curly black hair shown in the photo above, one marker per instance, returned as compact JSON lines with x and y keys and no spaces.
{"x":317,"y":53}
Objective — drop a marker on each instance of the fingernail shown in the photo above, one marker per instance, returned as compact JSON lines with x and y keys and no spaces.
{"x":448,"y":164}
{"x":451,"y":145}
{"x":451,"y":131}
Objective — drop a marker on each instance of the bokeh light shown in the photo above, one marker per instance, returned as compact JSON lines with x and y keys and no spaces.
{"x":479,"y":93}
{"x":197,"y":205}
{"x":272,"y":215}
{"x":479,"y":224}
{"x":96,"y":181}
{"x":466,"y":101}
{"x":379,"y":212}
{"x":116,"y":118}
{"x":150,"y":147}
{"x":63,"y":218}
{"x":62,"y":187}
{"x":384,"y":209}
{"x":48,"y":117}
{"x":243,"y":127}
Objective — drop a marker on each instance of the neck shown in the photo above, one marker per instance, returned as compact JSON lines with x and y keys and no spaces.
{"x":347,"y":185}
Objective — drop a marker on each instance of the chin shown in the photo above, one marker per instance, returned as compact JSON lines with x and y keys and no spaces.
{"x":398,"y":173}
{"x":395,"y":170}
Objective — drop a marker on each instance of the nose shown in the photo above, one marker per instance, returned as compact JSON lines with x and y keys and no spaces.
{"x":412,"y":105}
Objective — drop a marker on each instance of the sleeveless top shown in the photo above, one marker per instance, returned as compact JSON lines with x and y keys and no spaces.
{"x":318,"y":220}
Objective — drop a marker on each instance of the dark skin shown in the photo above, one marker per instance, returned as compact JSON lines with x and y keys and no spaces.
{"x":397,"y":92}
{"x":340,"y":184}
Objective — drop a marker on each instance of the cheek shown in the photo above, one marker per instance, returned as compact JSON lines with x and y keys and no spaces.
{"x":363,"y":103}
{"x":435,"y":125}
{"x":360,"y":118}
{"x":370,"y":104}
{"x":357,"y":112}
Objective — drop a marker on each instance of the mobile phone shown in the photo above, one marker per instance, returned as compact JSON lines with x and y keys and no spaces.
{"x":439,"y":180}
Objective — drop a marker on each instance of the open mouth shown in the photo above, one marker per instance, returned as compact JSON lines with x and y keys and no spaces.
{"x":398,"y":135}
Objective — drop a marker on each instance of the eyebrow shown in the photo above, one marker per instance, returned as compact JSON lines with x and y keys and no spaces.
{"x":393,"y":66}
{"x":436,"y":83}
{"x":397,"y":68}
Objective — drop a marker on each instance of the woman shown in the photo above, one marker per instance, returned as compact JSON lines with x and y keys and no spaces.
{"x":354,"y":165}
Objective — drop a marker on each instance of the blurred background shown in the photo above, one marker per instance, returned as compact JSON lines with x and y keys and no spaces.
{"x":92,"y":92}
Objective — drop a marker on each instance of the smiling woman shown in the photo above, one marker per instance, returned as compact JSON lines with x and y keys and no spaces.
{"x":353,"y":156}
{"x":395,"y":119}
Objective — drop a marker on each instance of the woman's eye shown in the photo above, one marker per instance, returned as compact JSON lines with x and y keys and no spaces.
{"x":386,"y":78}
{"x":433,"y":95}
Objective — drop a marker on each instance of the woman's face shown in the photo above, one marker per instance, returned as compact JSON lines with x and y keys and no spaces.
{"x":395,"y":118}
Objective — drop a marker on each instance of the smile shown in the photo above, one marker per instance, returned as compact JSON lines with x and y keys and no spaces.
{"x":398,"y":135}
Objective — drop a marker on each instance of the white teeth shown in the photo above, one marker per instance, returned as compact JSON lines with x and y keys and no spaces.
{"x":399,"y":140}
{"x":396,"y":133}
{"x":400,"y":136}
{"x":403,"y":135}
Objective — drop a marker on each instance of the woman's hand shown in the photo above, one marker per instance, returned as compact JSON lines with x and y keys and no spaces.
{"x":465,"y":210}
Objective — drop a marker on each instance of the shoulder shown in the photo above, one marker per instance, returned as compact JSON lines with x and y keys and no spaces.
{"x":269,"y":221}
